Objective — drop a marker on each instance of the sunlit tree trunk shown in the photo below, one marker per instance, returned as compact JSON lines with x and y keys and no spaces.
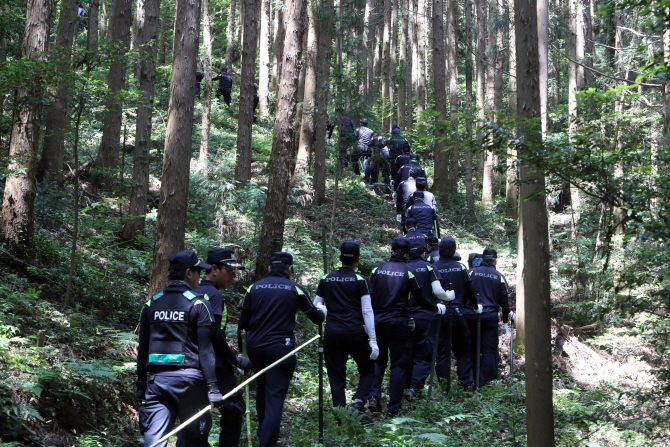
{"x":589,"y":44}
{"x":411,"y":63}
{"x":492,"y":90}
{"x":230,"y":33}
{"x":206,"y":58}
{"x":393,"y":61}
{"x":281,"y":158}
{"x":173,"y":198}
{"x":104,"y":18}
{"x":480,"y":72}
{"x":441,"y":178}
{"x":575,"y":79}
{"x":363,"y":89}
{"x":511,"y":195}
{"x":264,"y":58}
{"x":386,"y":65}
{"x":309,"y":100}
{"x":452,"y":21}
{"x":92,"y":33}
{"x":422,"y":29}
{"x":469,"y":71}
{"x":404,"y":79}
{"x":325,"y":28}
{"x":278,"y":46}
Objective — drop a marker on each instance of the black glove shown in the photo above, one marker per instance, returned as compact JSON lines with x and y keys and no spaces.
{"x":141,"y":391}
{"x":214,"y":395}
{"x":243,"y":362}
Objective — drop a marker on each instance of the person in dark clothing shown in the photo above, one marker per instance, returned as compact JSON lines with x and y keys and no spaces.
{"x":421,"y":185}
{"x":220,"y":276}
{"x":397,"y":145}
{"x":199,"y":76}
{"x":268,"y":316}
{"x":346,"y":137}
{"x":363,"y":134}
{"x":455,"y":277}
{"x":432,"y":249}
{"x":176,"y":368}
{"x":474,"y":260}
{"x":225,"y":85}
{"x":492,"y":287}
{"x":400,"y":161}
{"x":256,"y":101}
{"x":377,"y":161}
{"x":392,"y":282}
{"x":403,"y":173}
{"x":425,"y":215}
{"x":404,"y":191}
{"x":350,"y":329}
{"x":411,"y":232}
{"x":424,"y":319}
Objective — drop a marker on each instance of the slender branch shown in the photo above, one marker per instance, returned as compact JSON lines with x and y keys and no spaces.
{"x":637,"y":33}
{"x":618,"y":49}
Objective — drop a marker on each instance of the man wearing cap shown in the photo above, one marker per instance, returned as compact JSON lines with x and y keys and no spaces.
{"x":492,"y":287}
{"x":218,"y":277}
{"x":456,"y":277}
{"x":428,"y":197}
{"x":396,"y":144}
{"x":411,"y":232}
{"x":400,"y":161}
{"x":474,"y":260}
{"x":350,"y":329}
{"x":404,"y":191}
{"x":425,"y":215}
{"x":403,"y":173}
{"x":225,"y":85}
{"x":176,"y":369}
{"x":268,"y":316}
{"x":392,"y":282}
{"x":424,"y":317}
{"x":432,"y":249}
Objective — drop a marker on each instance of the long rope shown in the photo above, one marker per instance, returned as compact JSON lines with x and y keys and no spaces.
{"x":233,"y":391}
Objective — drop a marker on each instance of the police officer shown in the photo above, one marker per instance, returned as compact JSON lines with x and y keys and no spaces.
{"x":424,"y":318}
{"x":492,"y":287}
{"x":411,"y":232}
{"x":346,"y":136}
{"x":425,"y":215}
{"x":456,"y":277}
{"x":403,"y":173}
{"x":378,"y":160}
{"x":400,"y":161}
{"x":220,"y":276}
{"x":350,"y":329}
{"x":428,"y":197}
{"x":268,"y":315}
{"x":397,"y":144}
{"x":432,"y":249}
{"x":392,"y":282}
{"x":363,"y":134}
{"x":225,"y":85}
{"x":404,"y":191}
{"x":474,"y":260}
{"x":199,"y":76}
{"x":176,"y":368}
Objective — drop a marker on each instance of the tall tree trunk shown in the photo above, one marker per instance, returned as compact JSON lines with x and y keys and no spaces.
{"x":281,"y":158}
{"x":666,"y":91}
{"x":92,"y":33}
{"x":325,"y":28}
{"x":492,"y":90}
{"x":441,"y":180}
{"x":533,"y":271}
{"x":469,"y":71}
{"x":422,"y":29}
{"x":452,"y":21}
{"x":278,"y":46}
{"x":411,"y":63}
{"x":543,"y":42}
{"x":53,"y":149}
{"x":264,"y":58}
{"x":574,"y":82}
{"x":511,"y":195}
{"x":108,"y":155}
{"x":301,"y":85}
{"x":19,"y":197}
{"x":480,"y":72}
{"x":364,"y":49}
{"x":161,"y":44}
{"x":309,"y":100}
{"x":173,"y":201}
{"x":589,"y":44}
{"x":247,"y":76}
{"x":403,"y":80}
{"x":230,"y":33}
{"x":104,"y":20}
{"x":394,"y":62}
{"x":386,"y":65}
{"x":378,"y":46}
{"x":207,"y":91}
{"x":147,"y":32}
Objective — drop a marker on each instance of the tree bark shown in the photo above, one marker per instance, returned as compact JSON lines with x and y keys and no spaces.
{"x":147,"y":32}
{"x":363,"y":89}
{"x":543,"y":42}
{"x":511,"y":194}
{"x":421,"y":92}
{"x":325,"y":30}
{"x":230,"y":33}
{"x":92,"y":33}
{"x":452,"y":23}
{"x":264,"y":59}
{"x":533,"y":271}
{"x":207,"y":91}
{"x":411,"y":63}
{"x":493,"y":91}
{"x":281,"y":158}
{"x":173,"y":200}
{"x":53,"y":149}
{"x":17,"y":219}
{"x":278,"y":46}
{"x":469,"y":68}
{"x":394,"y":62}
{"x":104,"y":18}
{"x":386,"y":65}
{"x":403,"y":66}
{"x":574,"y":82}
{"x":589,"y":44}
{"x":247,"y":76}
{"x":480,"y":72}
{"x":309,"y":100}
{"x":441,"y":177}
{"x":108,"y":155}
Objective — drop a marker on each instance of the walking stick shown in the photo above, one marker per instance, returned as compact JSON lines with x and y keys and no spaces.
{"x":432,"y":370}
{"x":511,"y":346}
{"x":320,"y":385}
{"x":451,"y":287}
{"x":479,"y":344}
{"x":246,"y":391}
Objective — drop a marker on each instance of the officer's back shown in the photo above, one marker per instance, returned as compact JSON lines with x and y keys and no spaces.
{"x":392,"y":281}
{"x":491,"y":286}
{"x":422,"y":305}
{"x":424,"y":215}
{"x":396,"y":143}
{"x":455,"y":276}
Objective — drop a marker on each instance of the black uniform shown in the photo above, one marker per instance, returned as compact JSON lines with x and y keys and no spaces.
{"x":396,"y":144}
{"x":346,"y":137}
{"x":434,"y":255}
{"x":413,"y":234}
{"x":268,"y":315}
{"x":225,"y":86}
{"x":403,"y":173}
{"x":199,"y":76}
{"x":176,"y":359}
{"x":455,"y":276}
{"x":492,"y":287}
{"x":426,"y":218}
{"x":398,"y":163}
{"x":345,"y":333}
{"x":392,"y":283}
{"x":424,"y":318}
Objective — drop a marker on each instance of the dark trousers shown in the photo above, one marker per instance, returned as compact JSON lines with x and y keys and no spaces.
{"x":461,"y":344}
{"x":168,"y":398}
{"x":271,"y":390}
{"x":489,"y":346}
{"x":337,"y":347}
{"x":225,"y":94}
{"x":397,"y":338}
{"x":231,"y":412}
{"x":422,"y":353}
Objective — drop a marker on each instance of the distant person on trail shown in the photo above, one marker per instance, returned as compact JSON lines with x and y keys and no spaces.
{"x":400,"y":161}
{"x":432,"y":249}
{"x":350,"y":329}
{"x":256,"y":101}
{"x":176,"y":366}
{"x":428,"y":197}
{"x":425,"y":215}
{"x":492,"y":287}
{"x":346,"y":137}
{"x":396,"y":144}
{"x":403,"y":173}
{"x":363,"y":134}
{"x":411,"y":232}
{"x":405,"y":190}
{"x":220,"y":276}
{"x":474,"y":260}
{"x":225,"y":85}
{"x":378,"y":160}
{"x":199,"y":76}
{"x":82,"y":17}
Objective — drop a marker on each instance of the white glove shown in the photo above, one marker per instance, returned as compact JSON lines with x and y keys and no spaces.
{"x":512,"y":316}
{"x":451,"y":295}
{"x":375,"y":350}
{"x":504,"y":330}
{"x":480,"y":308}
{"x":322,"y":308}
{"x":394,"y":195}
{"x":441,"y":309}
{"x":398,"y":217}
{"x":240,"y":371}
{"x":329,"y":141}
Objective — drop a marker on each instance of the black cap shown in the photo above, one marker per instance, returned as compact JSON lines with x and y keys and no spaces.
{"x":418,"y":245}
{"x":224,"y":70}
{"x":432,"y":240}
{"x":456,"y":257}
{"x":490,"y":254}
{"x":418,"y":195}
{"x":473,"y":256}
{"x":406,"y":149}
{"x":448,"y":243}
{"x":350,"y":250}
{"x":414,"y":157}
{"x":185,"y":260}
{"x":401,"y":245}
{"x":410,"y":222}
{"x":364,"y":121}
{"x":421,"y":181}
{"x":281,"y":258}
{"x":224,"y":256}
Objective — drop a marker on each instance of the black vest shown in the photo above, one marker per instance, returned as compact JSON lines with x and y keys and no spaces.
{"x":172,"y":337}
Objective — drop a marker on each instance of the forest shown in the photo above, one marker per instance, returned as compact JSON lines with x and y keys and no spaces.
{"x":543,"y":128}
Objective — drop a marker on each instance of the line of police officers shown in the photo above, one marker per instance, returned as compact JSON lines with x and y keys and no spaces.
{"x":184,"y":362}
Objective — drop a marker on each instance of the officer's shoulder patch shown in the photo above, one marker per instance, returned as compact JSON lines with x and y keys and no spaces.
{"x":410,"y":274}
{"x":463,"y":267}
{"x":359,"y":277}
{"x":324,"y":276}
{"x":149,"y":303}
{"x":502,"y":279}
{"x":205,"y":296}
{"x":299,"y":290}
{"x":429,"y":268}
{"x":190,"y":295}
{"x":374,"y":270}
{"x":158,"y":295}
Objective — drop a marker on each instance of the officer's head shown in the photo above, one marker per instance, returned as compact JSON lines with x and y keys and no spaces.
{"x":224,"y":70}
{"x":431,"y":241}
{"x":456,"y":257}
{"x":280,"y":261}
{"x":400,"y":246}
{"x":414,"y":158}
{"x":421,"y":183}
{"x":474,"y":260}
{"x":350,"y":253}
{"x":224,"y":267}
{"x":406,"y":149}
{"x":364,"y":121}
{"x":418,"y":196}
{"x":490,"y":256}
{"x":410,"y":222}
{"x":185,"y":266}
{"x":447,"y":248}
{"x":395,"y":130}
{"x":418,"y":248}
